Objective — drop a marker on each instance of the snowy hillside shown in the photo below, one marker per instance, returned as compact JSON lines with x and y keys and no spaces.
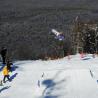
{"x":63,"y":78}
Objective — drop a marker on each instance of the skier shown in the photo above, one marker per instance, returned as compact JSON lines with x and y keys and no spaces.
{"x":6,"y":73}
{"x":3,"y":54}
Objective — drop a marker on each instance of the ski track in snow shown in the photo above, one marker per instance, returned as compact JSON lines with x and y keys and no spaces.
{"x":63,"y":78}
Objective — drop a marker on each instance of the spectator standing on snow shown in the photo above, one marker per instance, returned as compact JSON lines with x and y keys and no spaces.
{"x":3,"y":53}
{"x":9,"y":65}
{"x":6,"y":73}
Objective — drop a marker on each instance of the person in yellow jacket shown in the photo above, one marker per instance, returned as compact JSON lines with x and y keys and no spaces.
{"x":6,"y":73}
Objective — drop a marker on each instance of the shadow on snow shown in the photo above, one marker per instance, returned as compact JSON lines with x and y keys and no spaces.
{"x":4,"y":88}
{"x":13,"y":68}
{"x":13,"y":76}
{"x":52,"y":86}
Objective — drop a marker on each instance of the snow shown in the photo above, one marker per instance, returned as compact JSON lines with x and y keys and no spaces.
{"x":63,"y":78}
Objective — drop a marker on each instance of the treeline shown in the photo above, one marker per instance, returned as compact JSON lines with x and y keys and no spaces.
{"x":28,"y":35}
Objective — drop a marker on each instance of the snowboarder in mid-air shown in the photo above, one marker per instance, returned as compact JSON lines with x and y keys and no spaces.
{"x":3,"y":54}
{"x":58,"y":35}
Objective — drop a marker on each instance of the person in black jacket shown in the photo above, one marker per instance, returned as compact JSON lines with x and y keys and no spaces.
{"x":9,"y":64}
{"x":3,"y":54}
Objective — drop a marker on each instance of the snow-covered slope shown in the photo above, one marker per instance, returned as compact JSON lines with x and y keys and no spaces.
{"x":63,"y":78}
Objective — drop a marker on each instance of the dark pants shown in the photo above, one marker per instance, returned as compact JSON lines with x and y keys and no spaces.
{"x":6,"y":76}
{"x":3,"y":59}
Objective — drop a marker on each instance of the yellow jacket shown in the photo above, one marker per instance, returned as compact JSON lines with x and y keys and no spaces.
{"x":5,"y":71}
